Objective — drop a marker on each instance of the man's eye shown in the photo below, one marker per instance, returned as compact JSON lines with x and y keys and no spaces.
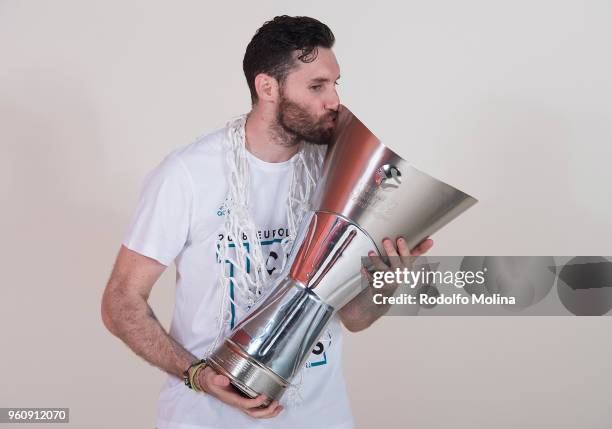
{"x":315,"y":87}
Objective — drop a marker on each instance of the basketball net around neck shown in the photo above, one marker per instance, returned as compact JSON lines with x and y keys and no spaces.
{"x":250,"y":279}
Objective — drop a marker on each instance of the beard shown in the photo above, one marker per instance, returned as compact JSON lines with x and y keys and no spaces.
{"x":298,"y":124}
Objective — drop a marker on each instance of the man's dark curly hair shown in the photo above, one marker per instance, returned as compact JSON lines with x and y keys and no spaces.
{"x":271,"y":48}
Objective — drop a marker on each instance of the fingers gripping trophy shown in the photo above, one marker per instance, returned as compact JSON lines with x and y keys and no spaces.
{"x":366,"y":192}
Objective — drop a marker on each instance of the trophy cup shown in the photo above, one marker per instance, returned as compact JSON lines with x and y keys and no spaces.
{"x":366,"y":192}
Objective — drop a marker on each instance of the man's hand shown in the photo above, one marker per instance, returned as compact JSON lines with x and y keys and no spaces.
{"x":126,"y":313}
{"x":361,"y":311}
{"x":401,"y":256}
{"x":217,"y":385}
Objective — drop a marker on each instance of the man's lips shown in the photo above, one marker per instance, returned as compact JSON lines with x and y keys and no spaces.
{"x":331,"y":119}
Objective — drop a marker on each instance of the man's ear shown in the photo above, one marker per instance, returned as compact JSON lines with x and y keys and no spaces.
{"x":266,"y":87}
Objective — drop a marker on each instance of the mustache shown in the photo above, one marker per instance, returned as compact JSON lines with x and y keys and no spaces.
{"x":331,"y":115}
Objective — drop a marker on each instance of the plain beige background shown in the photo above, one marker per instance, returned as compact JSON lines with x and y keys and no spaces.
{"x":510,"y":101}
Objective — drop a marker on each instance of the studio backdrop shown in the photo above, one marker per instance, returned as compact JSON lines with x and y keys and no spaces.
{"x":510,"y":101}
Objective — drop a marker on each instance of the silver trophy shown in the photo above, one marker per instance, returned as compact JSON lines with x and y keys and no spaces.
{"x":366,"y":193}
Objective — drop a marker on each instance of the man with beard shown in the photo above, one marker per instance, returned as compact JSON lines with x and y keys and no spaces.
{"x":225,"y":209}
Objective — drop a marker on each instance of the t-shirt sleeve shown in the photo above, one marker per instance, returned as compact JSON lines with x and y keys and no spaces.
{"x":159,"y":228}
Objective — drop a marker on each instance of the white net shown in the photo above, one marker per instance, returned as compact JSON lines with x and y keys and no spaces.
{"x":250,"y":278}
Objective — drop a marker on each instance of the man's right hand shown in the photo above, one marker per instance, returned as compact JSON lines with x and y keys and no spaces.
{"x":217,"y":385}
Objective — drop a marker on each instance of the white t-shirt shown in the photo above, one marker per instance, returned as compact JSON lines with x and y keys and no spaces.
{"x":179,"y":218}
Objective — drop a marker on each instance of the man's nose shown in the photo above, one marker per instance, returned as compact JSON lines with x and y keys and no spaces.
{"x":333,"y":102}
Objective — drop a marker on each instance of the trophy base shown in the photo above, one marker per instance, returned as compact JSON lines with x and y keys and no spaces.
{"x":245,"y":373}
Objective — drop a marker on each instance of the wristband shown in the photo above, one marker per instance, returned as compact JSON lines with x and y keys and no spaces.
{"x":190,"y":373}
{"x":194,"y":378}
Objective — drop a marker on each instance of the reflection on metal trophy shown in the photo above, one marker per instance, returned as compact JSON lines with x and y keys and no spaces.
{"x":366,"y":192}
